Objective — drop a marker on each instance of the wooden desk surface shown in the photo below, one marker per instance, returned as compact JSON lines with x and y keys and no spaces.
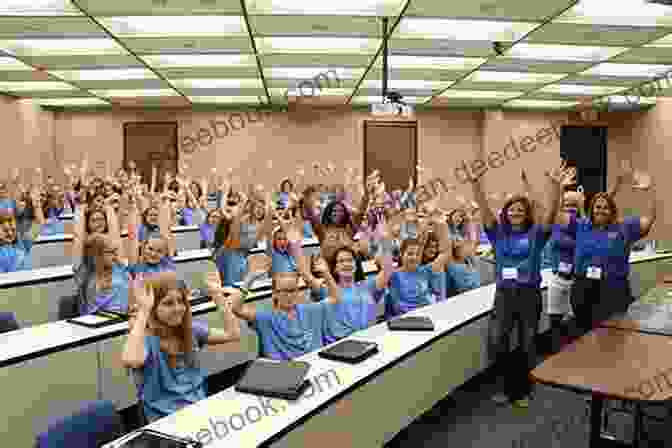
{"x":615,"y":363}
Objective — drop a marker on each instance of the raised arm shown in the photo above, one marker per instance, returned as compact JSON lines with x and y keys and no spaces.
{"x":135,"y":352}
{"x":557,"y":177}
{"x":224,"y":298}
{"x":644,"y":182}
{"x":487,"y":216}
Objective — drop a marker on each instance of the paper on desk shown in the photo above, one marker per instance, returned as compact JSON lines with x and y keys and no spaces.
{"x":91,"y":319}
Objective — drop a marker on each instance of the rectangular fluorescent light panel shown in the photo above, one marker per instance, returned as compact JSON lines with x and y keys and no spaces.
{"x":38,"y":8}
{"x":35,"y":86}
{"x":473,"y":30}
{"x":200,"y":60}
{"x":512,"y":77}
{"x":71,"y":102}
{"x":11,"y":64}
{"x":374,"y":8}
{"x":61,"y":47}
{"x":622,"y":12}
{"x":575,"y":89}
{"x":435,"y":63}
{"x":106,"y":75}
{"x":618,"y":99}
{"x":540,"y":104}
{"x":307,"y":91}
{"x":628,"y":70}
{"x":479,"y":94}
{"x":217,"y":83}
{"x":406,"y":84}
{"x":170,"y":26}
{"x":224,"y":99}
{"x":316,"y":45}
{"x":134,"y":93}
{"x":544,"y":52}
{"x":308,"y":73}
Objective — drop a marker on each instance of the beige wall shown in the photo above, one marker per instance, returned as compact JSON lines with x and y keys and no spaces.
{"x":246,"y":142}
{"x":28,"y":136}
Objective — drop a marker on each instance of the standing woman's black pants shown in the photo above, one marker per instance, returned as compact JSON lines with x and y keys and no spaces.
{"x":594,"y":301}
{"x":521,"y":307}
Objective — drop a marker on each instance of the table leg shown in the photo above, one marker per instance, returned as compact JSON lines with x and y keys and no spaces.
{"x":596,"y":406}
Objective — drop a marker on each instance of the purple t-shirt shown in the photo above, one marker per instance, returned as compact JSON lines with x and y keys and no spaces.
{"x":517,"y":254}
{"x":607,"y":249}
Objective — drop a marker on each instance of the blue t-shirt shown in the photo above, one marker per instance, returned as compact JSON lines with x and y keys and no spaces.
{"x":53,"y":225}
{"x":411,"y":290}
{"x":517,"y":254}
{"x":283,"y":338}
{"x":166,"y":264}
{"x":461,"y":277}
{"x":607,"y":249}
{"x":356,"y":310}
{"x":113,"y":299}
{"x":16,"y":257}
{"x":232,"y":263}
{"x":164,"y":390}
{"x":7,"y":206}
{"x":185,"y":217}
{"x":281,"y":260}
{"x":308,"y":230}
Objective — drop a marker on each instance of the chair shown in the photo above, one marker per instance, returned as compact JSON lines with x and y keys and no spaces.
{"x":95,"y":424}
{"x":68,"y":307}
{"x":8,"y":322}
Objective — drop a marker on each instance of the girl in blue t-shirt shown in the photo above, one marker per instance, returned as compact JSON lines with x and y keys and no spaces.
{"x":357,"y":308}
{"x":602,"y":256}
{"x":163,"y":345}
{"x":15,"y":249}
{"x":278,"y":250}
{"x":461,"y":274}
{"x":207,"y":229}
{"x":518,"y":242}
{"x":415,"y":284}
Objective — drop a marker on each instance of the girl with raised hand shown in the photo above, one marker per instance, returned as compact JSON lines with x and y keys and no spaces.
{"x":291,"y":328}
{"x":415,"y":284}
{"x":163,"y":344}
{"x":207,"y":229}
{"x":602,"y":255}
{"x":15,"y":250}
{"x":461,"y":274}
{"x":518,"y":241}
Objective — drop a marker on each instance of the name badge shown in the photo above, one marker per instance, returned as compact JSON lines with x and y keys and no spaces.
{"x":565,"y":268}
{"x":510,"y":273}
{"x":594,"y":272}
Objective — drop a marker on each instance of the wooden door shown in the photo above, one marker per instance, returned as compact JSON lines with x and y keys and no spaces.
{"x":391,"y":148}
{"x":151,"y":143}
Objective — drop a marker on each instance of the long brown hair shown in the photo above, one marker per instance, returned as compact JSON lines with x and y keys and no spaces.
{"x":529,"y":213}
{"x":161,"y":287}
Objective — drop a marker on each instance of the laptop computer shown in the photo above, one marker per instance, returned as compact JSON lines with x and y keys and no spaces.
{"x":146,"y":438}
{"x":275,"y":379}
{"x":350,"y":351}
{"x":411,"y":323}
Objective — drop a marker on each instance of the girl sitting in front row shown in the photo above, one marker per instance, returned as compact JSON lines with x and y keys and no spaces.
{"x":162,"y":344}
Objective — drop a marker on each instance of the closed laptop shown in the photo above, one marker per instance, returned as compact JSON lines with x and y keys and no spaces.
{"x":411,"y":323}
{"x":276,"y":379}
{"x":350,"y":351}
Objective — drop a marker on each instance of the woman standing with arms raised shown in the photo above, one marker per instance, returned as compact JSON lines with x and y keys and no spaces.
{"x":518,"y":242}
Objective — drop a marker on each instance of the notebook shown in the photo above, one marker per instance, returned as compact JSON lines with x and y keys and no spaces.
{"x":147,"y":438}
{"x":276,"y":379}
{"x":411,"y":323}
{"x":98,"y":319}
{"x":350,"y":351}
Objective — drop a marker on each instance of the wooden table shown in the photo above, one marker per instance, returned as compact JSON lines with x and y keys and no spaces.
{"x":611,"y":363}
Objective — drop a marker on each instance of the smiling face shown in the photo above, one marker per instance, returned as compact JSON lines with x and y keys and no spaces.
{"x":171,"y":309}
{"x":7,"y":229}
{"x":285,"y":290}
{"x":602,"y":213}
{"x":152,"y":216}
{"x":153,"y":250}
{"x":97,"y":222}
{"x":517,"y":213}
{"x":410,"y":258}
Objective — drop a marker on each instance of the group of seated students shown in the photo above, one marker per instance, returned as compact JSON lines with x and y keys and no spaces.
{"x":423,"y":255}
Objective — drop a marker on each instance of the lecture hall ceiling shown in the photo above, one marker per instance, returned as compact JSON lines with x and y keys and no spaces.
{"x":547,"y":54}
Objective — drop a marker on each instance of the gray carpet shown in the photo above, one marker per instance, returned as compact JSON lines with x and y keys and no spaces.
{"x":555,"y":418}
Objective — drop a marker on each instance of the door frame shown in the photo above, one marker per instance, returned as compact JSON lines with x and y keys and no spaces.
{"x":391,"y":123}
{"x":177,"y":152}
